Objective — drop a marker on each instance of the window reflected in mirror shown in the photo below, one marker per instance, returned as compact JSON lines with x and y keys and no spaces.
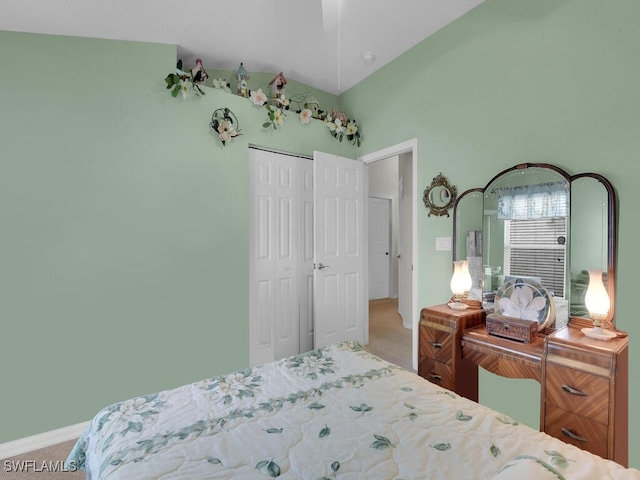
{"x":536,"y":222}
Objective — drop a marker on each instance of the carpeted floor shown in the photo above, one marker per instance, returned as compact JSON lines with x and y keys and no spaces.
{"x":43,"y":464}
{"x":387,"y":338}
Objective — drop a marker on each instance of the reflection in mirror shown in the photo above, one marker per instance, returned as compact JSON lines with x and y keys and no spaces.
{"x":525,"y":224}
{"x":589,"y":228}
{"x":537,"y":221}
{"x":467,"y":236}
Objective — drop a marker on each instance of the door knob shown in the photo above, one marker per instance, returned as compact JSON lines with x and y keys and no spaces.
{"x":320,"y":266}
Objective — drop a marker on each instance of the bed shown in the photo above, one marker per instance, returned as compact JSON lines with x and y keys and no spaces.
{"x":336,"y":412}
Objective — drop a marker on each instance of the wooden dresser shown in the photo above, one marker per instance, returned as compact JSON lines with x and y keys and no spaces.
{"x":584,"y":382}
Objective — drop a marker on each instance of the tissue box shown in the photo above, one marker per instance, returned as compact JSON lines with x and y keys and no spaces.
{"x":513,"y":328}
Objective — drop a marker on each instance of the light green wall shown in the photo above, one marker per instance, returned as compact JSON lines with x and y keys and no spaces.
{"x":124,"y":228}
{"x":124,"y":225}
{"x":510,"y":82}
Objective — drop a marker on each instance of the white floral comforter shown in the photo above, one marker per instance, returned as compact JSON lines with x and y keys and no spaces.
{"x":337,"y":412}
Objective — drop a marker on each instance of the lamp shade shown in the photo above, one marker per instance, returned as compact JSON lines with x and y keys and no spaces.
{"x":461,"y":278}
{"x":596,"y":299}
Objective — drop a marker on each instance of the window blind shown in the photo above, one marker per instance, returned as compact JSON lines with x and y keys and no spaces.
{"x":536,"y":248}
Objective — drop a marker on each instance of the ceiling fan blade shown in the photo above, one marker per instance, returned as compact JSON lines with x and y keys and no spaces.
{"x":330,"y":14}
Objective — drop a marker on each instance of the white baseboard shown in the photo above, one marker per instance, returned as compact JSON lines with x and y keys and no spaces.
{"x":46,"y":439}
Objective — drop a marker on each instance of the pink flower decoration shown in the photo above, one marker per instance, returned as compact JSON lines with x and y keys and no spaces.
{"x":305,"y":116}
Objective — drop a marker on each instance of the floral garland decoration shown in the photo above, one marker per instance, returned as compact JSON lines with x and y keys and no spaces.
{"x":276,"y":106}
{"x":182,"y":82}
{"x":225,"y":124}
{"x":340,"y":126}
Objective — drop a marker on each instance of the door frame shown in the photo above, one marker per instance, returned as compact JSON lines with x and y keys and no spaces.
{"x":410,"y":146}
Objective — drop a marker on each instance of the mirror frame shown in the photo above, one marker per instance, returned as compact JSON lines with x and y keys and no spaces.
{"x":612,"y":224}
{"x":439,"y":210}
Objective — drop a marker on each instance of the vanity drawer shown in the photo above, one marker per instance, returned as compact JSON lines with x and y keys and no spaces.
{"x":578,"y":392}
{"x":576,"y":430}
{"x":436,"y":372}
{"x":436,"y":344}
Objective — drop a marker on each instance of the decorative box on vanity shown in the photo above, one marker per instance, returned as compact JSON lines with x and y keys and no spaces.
{"x":512,"y":328}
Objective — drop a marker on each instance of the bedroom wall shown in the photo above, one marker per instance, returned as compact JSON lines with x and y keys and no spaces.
{"x":124,"y":228}
{"x":529,"y":81}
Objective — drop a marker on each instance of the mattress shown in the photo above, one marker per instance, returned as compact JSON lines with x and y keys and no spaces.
{"x":336,"y":412}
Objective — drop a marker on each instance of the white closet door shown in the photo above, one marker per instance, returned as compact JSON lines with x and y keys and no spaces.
{"x":274,"y":232}
{"x":287,"y":239}
{"x":340,"y":293}
{"x":306,"y":255}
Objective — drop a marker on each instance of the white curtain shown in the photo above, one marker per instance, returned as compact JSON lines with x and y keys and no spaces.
{"x":528,"y":202}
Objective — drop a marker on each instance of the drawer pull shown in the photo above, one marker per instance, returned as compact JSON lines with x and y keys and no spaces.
{"x":435,"y":376}
{"x":573,"y":391}
{"x":435,"y":344}
{"x":572,"y":435}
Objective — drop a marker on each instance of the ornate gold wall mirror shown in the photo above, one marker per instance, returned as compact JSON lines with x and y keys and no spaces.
{"x":440,"y":196}
{"x":566,"y":226}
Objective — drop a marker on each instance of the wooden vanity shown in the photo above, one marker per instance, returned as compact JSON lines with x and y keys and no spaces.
{"x":584,"y":382}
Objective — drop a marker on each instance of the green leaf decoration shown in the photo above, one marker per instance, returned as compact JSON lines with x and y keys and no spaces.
{"x":407,"y":389}
{"x":324,"y":432}
{"x":335,"y":466}
{"x":443,"y":447}
{"x":269,"y":467}
{"x":462,"y":417}
{"x":175,"y":91}
{"x":540,"y":462}
{"x":495,"y":451}
{"x":413,"y":416}
{"x":266,"y":125}
{"x":447,"y":392}
{"x":507,"y":421}
{"x":214,"y":461}
{"x":274,"y":430}
{"x":316,"y":406}
{"x":381,"y":443}
{"x":409,"y":406}
{"x":363,"y":407}
{"x":179,"y":65}
{"x":558,"y":459}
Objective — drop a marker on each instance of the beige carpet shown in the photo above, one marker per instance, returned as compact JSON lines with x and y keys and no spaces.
{"x":43,"y":464}
{"x":387,"y":338}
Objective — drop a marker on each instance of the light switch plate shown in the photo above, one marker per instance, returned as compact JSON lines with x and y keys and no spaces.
{"x":443,"y":244}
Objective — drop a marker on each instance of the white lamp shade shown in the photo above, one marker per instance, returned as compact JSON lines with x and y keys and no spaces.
{"x":461,"y":278}
{"x":596,"y":299}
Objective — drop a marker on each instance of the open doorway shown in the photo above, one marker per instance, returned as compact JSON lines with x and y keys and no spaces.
{"x":392,"y":297}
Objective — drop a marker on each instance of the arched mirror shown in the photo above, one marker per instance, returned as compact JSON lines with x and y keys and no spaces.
{"x":537,"y":222}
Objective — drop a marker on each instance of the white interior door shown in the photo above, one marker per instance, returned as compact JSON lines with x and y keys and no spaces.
{"x":339,"y":290}
{"x":274,"y":266}
{"x":379,"y":239}
{"x":306,"y":255}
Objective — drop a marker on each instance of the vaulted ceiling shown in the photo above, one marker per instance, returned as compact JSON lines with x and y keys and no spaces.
{"x":328,"y":44}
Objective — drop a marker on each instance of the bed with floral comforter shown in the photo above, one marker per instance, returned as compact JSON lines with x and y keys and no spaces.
{"x":333,"y":413}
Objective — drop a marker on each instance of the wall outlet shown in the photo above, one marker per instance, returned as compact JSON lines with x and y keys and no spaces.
{"x":443,"y":244}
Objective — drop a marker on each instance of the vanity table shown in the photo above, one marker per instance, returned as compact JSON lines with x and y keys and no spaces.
{"x":516,"y":231}
{"x":584,"y":382}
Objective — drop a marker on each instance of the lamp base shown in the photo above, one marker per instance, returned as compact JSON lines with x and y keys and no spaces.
{"x":458,"y":306}
{"x":598,"y":333}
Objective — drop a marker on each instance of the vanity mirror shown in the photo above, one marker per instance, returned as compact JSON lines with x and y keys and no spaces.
{"x":537,"y":222}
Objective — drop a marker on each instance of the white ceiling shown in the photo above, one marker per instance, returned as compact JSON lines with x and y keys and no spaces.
{"x":267,"y":35}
